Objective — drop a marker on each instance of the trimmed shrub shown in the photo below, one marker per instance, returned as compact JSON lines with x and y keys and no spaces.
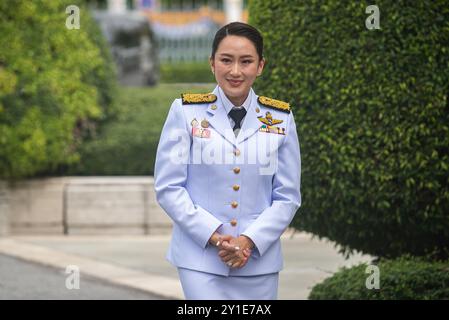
{"x":404,"y":278}
{"x":127,"y":145}
{"x":54,"y":84}
{"x":186,"y":72}
{"x":373,"y":118}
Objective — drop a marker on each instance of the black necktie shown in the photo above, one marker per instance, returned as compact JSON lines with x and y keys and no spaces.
{"x":237,"y":115}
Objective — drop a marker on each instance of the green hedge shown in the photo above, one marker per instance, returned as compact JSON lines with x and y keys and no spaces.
{"x":373,"y":118}
{"x":55,"y":85}
{"x":400,"y":279}
{"x":127,"y":145}
{"x":186,"y":72}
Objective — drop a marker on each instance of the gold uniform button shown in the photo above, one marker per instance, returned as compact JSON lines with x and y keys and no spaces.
{"x":237,"y":152}
{"x":233,"y":222}
{"x":214,"y":107}
{"x":236,"y":187}
{"x":236,"y":170}
{"x":234,"y":204}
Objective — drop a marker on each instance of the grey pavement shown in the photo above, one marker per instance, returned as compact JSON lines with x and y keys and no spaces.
{"x":25,"y":280}
{"x":139,"y":261}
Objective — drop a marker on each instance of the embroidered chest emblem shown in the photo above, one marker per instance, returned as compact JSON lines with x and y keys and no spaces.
{"x":268,"y":120}
{"x":269,"y":124}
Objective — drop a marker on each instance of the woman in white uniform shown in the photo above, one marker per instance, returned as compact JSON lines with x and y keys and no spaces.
{"x":227,"y":173}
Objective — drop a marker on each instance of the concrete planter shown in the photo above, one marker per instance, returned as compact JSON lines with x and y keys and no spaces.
{"x":86,"y":205}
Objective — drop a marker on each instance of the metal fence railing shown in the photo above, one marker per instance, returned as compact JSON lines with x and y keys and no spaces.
{"x":185,"y":48}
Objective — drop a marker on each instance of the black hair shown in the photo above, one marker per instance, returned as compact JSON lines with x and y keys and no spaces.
{"x":239,"y":29}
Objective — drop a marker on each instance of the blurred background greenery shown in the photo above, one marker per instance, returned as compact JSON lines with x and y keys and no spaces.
{"x":187,"y":72}
{"x":55,"y":86}
{"x":127,"y":145}
{"x":62,"y":111}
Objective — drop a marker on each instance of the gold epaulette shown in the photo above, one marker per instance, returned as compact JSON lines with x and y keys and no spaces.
{"x":274,"y":104}
{"x":197,"y":98}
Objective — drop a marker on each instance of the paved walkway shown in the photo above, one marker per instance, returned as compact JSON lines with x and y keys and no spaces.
{"x":138,"y":262}
{"x":21,"y":280}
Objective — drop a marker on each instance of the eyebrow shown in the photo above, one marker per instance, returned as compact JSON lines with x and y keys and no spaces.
{"x":230,"y":55}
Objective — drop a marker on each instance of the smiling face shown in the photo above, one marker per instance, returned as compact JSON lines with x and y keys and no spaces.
{"x":236,"y":66}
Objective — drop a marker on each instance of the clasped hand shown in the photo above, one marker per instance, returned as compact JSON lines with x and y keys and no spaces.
{"x":234,"y":251}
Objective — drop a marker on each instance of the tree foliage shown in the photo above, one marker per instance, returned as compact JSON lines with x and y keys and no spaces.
{"x":55,"y":83}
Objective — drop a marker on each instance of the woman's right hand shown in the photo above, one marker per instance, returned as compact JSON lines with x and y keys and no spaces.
{"x":231,"y":251}
{"x":235,"y":253}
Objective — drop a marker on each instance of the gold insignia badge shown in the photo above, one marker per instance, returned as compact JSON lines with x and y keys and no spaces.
{"x":268,"y":120}
{"x":198,"y":98}
{"x":204,"y":123}
{"x":194,"y":122}
{"x":274,"y":104}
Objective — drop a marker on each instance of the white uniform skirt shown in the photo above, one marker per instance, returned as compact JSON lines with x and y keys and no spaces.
{"x":199,"y":285}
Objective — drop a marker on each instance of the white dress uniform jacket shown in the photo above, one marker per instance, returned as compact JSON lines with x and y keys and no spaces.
{"x":206,"y":179}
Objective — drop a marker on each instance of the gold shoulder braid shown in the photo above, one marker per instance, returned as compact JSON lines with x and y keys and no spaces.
{"x":197,"y":98}
{"x":274,"y":104}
